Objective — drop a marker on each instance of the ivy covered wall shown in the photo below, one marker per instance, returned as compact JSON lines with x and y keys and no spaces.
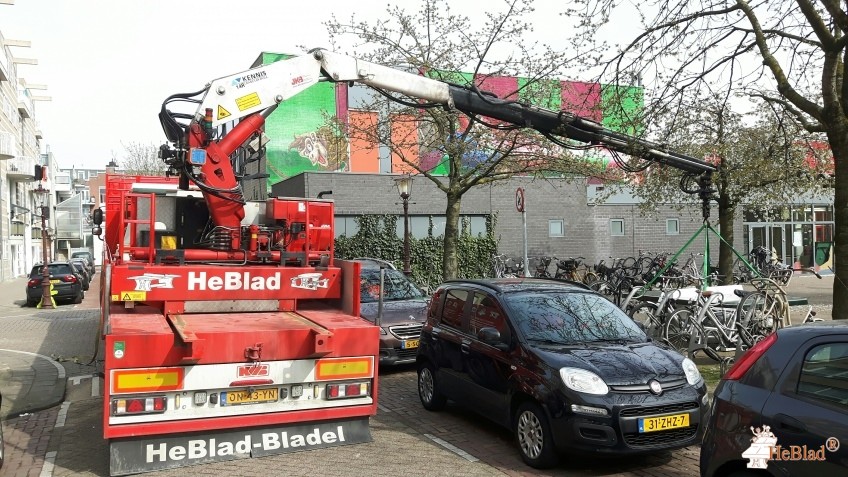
{"x":377,"y":238}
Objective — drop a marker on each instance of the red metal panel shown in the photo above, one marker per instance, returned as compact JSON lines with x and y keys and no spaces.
{"x":148,"y":340}
{"x":158,"y":283}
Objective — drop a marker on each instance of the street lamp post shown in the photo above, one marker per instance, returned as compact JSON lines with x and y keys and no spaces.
{"x":404,"y":187}
{"x":46,"y":298}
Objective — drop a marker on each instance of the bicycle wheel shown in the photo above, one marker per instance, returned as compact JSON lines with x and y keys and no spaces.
{"x":590,"y":278}
{"x":756,"y":317}
{"x":678,"y":330}
{"x":629,"y":266}
{"x":643,"y":266}
{"x":605,"y":288}
{"x":646,"y":314}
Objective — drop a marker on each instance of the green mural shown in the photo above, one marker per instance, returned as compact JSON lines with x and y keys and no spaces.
{"x":299,"y":138}
{"x":622,"y":107}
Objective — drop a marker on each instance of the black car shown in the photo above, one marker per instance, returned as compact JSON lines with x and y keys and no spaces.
{"x":88,"y":257}
{"x":400,"y":312}
{"x":82,"y":273}
{"x":561,"y":366}
{"x":782,"y":409}
{"x":65,"y":283}
{"x":2,"y":451}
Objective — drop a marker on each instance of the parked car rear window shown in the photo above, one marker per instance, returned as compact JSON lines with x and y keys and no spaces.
{"x":55,"y":269}
{"x":570,"y":318}
{"x":823,"y":373}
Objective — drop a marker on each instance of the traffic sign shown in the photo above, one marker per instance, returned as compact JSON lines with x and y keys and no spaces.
{"x":519,"y":199}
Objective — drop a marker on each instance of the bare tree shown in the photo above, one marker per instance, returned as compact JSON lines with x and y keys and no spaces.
{"x":764,"y":159}
{"x":471,"y":150}
{"x":141,"y":159}
{"x":789,"y":54}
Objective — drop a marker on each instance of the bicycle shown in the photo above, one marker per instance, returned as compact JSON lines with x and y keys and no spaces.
{"x":541,"y":267}
{"x":575,"y":270}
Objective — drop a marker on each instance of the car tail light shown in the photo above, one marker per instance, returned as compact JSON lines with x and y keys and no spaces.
{"x":69,"y":278}
{"x":34,"y":282}
{"x":750,"y":357}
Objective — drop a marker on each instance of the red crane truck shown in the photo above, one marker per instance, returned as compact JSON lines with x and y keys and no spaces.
{"x":229,"y":329}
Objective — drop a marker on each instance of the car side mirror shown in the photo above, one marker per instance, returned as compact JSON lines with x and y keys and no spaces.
{"x":492,"y":337}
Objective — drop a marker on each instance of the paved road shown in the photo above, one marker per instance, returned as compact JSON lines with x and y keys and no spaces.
{"x":67,"y":439}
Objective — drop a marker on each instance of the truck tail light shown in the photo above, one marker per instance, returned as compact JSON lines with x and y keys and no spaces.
{"x":348,"y":390}
{"x":750,"y":357}
{"x":139,"y":405}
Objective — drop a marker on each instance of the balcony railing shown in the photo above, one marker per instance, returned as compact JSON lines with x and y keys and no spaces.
{"x":8,"y":145}
{"x":24,"y":104}
{"x":21,"y":168}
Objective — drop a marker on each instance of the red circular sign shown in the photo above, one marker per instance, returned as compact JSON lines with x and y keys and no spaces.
{"x":519,"y":199}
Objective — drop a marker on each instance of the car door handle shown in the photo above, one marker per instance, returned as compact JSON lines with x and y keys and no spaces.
{"x":465,"y":348}
{"x":789,"y":423}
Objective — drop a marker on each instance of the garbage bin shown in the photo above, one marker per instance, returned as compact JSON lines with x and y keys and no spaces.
{"x":823,"y":252}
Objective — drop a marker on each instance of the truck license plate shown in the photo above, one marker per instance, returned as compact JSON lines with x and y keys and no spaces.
{"x":409,"y":344}
{"x":651,"y":424}
{"x":232,"y":398}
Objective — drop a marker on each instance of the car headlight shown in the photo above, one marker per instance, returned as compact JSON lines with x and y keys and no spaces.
{"x":583,"y":381}
{"x":693,"y":376}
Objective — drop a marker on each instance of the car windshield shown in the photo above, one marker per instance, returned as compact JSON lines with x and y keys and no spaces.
{"x":395,"y":286}
{"x":570,"y":318}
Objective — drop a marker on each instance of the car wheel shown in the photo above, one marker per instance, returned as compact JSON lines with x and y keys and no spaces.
{"x":78,"y":299}
{"x":31,"y":303}
{"x":428,"y":389}
{"x":535,"y":441}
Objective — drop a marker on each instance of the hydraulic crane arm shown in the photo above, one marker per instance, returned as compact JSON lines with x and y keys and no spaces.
{"x":242,"y":94}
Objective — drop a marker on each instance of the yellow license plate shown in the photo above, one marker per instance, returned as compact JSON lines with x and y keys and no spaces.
{"x":409,"y":344}
{"x":55,"y":281}
{"x":651,"y":424}
{"x":255,"y":396}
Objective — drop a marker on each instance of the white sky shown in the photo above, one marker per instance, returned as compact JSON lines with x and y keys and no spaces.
{"x":109,"y":64}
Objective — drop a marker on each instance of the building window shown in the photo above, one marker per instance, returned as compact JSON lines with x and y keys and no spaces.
{"x":616,"y":227}
{"x":672,"y":227}
{"x":556,"y":228}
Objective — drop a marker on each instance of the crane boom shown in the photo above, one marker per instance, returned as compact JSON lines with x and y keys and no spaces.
{"x":236,"y":96}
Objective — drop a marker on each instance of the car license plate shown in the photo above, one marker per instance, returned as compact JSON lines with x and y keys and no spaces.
{"x":55,"y":281}
{"x":651,"y":424}
{"x":409,"y":344}
{"x":232,"y":398}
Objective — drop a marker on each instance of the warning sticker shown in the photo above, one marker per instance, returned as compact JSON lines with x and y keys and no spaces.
{"x":249,"y":101}
{"x":130,"y":296}
{"x":222,"y":112}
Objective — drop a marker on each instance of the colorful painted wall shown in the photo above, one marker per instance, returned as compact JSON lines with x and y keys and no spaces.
{"x":302,"y":140}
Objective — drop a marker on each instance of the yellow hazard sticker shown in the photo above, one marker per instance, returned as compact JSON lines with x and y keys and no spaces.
{"x":249,"y":101}
{"x":222,"y":112}
{"x":130,"y":296}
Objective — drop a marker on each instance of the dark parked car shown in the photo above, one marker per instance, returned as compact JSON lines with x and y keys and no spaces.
{"x":66,"y":284}
{"x":401,"y":315}
{"x":2,"y":451}
{"x":782,"y":409}
{"x":82,"y":273}
{"x":561,"y":366}
{"x":88,"y":257}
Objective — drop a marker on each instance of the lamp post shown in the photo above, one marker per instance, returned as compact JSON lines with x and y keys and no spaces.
{"x":46,"y":298}
{"x":404,"y":187}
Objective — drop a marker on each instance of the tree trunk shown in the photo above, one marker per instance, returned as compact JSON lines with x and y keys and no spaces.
{"x":726,"y":218}
{"x":838,"y":139}
{"x":450,"y":262}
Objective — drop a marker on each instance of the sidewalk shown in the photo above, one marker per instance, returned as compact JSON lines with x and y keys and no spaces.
{"x":29,"y":381}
